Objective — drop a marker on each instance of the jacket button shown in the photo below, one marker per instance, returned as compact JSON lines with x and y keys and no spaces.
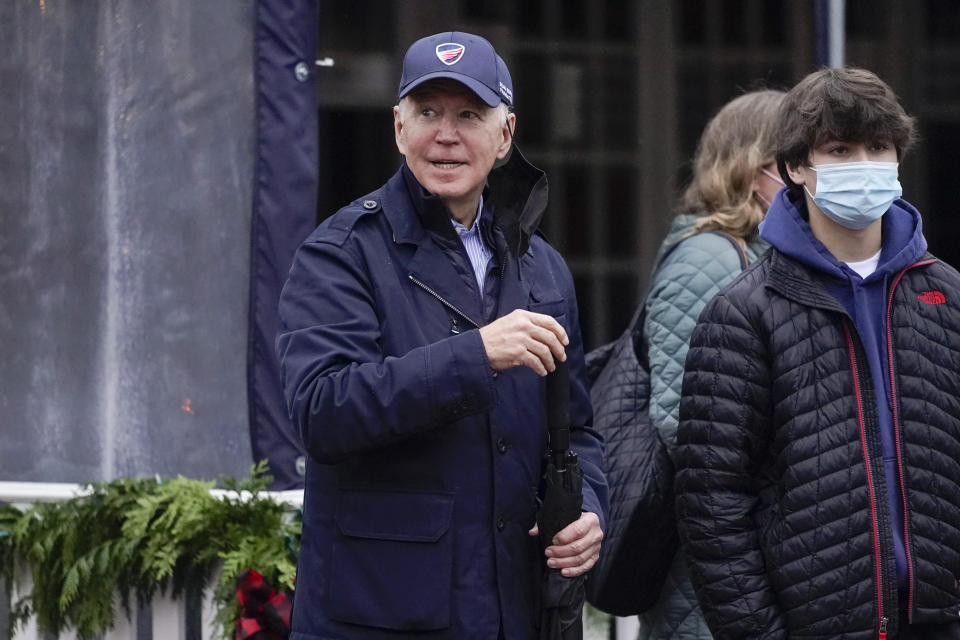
{"x":369,"y":204}
{"x":502,"y":445}
{"x":501,"y":523}
{"x":301,"y":72}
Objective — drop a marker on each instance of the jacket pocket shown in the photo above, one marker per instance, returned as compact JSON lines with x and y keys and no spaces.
{"x":392,"y":559}
{"x":555,"y":308}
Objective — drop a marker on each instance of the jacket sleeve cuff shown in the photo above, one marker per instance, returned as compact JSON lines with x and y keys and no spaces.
{"x":592,"y":504}
{"x":458,"y":377}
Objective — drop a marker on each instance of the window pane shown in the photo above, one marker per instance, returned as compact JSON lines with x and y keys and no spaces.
{"x":532,"y":91}
{"x":576,"y":209}
{"x":619,"y":20}
{"x":691,"y":24}
{"x":622,"y":297}
{"x":620,"y":113}
{"x":622,"y":211}
{"x":734,"y":24}
{"x":581,"y":284}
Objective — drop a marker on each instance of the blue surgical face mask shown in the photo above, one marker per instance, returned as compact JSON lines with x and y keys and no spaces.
{"x":856,"y":194}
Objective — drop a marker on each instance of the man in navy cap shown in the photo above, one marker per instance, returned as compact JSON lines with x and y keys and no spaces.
{"x":417,"y":326}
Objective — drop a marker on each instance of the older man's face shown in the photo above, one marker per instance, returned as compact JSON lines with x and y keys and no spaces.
{"x":450,"y":139}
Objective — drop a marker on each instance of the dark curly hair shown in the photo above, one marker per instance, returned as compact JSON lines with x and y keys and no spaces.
{"x":850,"y":104}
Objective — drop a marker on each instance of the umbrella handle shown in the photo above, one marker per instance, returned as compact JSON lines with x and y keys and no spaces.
{"x":558,"y":413}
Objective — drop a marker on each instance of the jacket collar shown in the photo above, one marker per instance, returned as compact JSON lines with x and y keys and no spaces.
{"x":516,"y":195}
{"x":796,"y":281}
{"x":514,"y":201}
{"x":430,"y":209}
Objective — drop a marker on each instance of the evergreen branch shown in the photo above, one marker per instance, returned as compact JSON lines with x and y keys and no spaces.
{"x":137,"y":537}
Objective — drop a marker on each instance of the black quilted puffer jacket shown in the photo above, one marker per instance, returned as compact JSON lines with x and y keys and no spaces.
{"x":780,"y":492}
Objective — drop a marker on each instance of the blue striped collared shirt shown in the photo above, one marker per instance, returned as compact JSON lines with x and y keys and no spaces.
{"x":476,"y":248}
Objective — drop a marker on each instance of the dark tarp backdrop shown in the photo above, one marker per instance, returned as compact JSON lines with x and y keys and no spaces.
{"x":142,"y":241}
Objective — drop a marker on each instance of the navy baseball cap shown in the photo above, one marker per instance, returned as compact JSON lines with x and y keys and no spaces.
{"x":464,"y":57}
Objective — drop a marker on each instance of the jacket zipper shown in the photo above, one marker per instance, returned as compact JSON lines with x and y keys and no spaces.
{"x":896,"y":434}
{"x":442,"y":300}
{"x":866,"y":459}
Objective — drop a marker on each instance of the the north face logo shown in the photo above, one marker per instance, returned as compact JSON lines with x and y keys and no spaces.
{"x":932,"y":297}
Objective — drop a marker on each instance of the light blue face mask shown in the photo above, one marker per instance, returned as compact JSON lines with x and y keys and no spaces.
{"x":856,"y":194}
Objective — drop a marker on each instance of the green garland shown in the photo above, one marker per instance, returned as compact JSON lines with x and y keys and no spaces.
{"x":133,"y":538}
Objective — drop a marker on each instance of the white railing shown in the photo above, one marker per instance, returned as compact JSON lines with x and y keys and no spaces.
{"x":626,"y":628}
{"x":164,"y":618}
{"x":26,"y":493}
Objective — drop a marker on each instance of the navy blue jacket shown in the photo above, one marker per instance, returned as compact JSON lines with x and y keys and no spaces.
{"x":424,"y":463}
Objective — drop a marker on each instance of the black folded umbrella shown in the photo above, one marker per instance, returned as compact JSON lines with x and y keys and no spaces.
{"x":561,"y":598}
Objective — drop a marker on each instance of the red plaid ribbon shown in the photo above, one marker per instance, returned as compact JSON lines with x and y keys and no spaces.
{"x":264,"y":612}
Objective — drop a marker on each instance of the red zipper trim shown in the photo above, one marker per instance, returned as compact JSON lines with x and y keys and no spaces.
{"x":866,"y":460}
{"x":896,"y":431}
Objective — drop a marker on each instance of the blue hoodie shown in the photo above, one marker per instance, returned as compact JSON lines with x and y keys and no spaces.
{"x":865,"y":300}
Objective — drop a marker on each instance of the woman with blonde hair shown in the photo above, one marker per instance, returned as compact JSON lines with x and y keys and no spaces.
{"x":713,"y":236}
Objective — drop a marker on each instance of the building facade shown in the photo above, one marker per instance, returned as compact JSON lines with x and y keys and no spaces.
{"x":612,"y":96}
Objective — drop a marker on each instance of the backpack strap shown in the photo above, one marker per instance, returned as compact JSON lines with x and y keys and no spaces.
{"x":636,"y":322}
{"x":744,"y":261}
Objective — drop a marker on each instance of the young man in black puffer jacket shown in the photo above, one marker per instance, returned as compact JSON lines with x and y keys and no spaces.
{"x":818,"y":478}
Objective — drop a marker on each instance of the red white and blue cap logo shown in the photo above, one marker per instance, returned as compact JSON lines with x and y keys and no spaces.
{"x":450,"y":52}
